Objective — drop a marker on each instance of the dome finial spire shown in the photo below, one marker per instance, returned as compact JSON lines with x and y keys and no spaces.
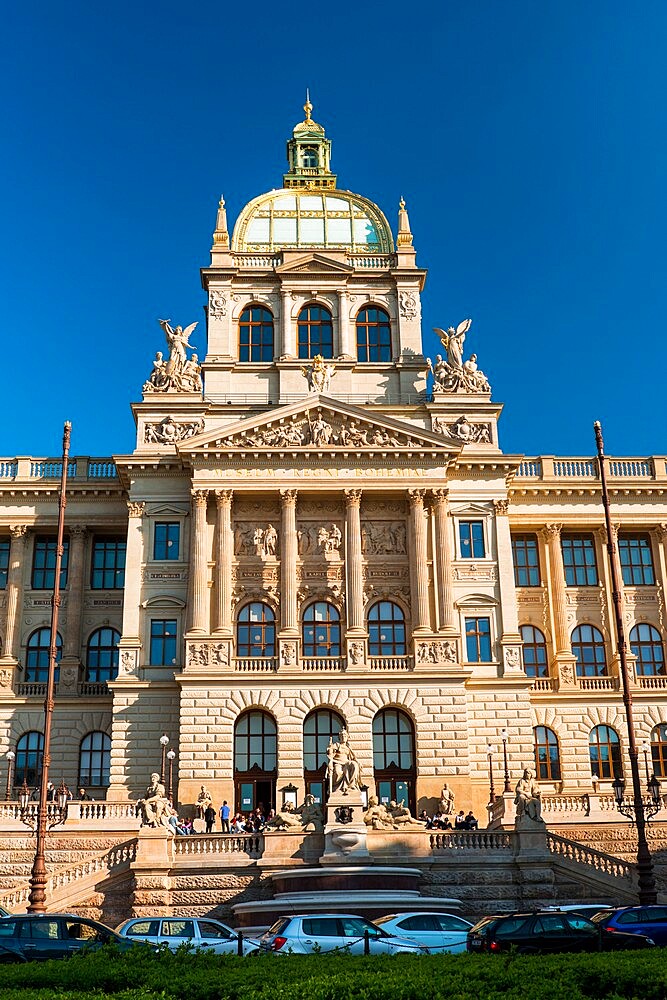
{"x":308,"y":107}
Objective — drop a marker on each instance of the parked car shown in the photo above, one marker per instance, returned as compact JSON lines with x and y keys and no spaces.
{"x":438,"y":931}
{"x":323,"y":932}
{"x":175,"y":931}
{"x":649,"y":920}
{"x":583,"y":909}
{"x":52,"y":935}
{"x":548,"y":931}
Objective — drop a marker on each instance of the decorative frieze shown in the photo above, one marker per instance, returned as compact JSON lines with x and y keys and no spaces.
{"x":170,"y":431}
{"x":383,"y":538}
{"x":208,"y":654}
{"x":463,"y":430}
{"x":482,"y":572}
{"x":441,"y":651}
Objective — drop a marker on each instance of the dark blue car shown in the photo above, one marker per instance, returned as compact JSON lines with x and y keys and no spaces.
{"x":648,"y":920}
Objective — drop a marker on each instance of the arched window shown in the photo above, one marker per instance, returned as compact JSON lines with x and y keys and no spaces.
{"x":37,"y":659}
{"x":29,"y":751}
{"x":102,"y":655}
{"x":588,"y":648}
{"x":321,"y":630}
{"x":605,"y":753}
{"x":255,"y":755}
{"x":646,"y":645}
{"x":386,"y":630}
{"x":256,"y":630}
{"x":373,"y":335}
{"x":256,"y":334}
{"x":534,"y":651}
{"x":318,"y":729}
{"x":659,"y":750}
{"x":394,"y":757}
{"x":547,"y":755}
{"x":309,"y":156}
{"x":315,"y":332}
{"x":94,"y":760}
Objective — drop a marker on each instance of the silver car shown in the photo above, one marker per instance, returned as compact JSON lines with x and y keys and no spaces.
{"x":438,"y":931}
{"x":211,"y":935}
{"x":341,"y":932}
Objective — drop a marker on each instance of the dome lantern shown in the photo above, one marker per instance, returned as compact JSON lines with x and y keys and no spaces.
{"x":309,"y":155}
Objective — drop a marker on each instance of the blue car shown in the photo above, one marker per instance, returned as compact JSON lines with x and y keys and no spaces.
{"x":648,"y":920}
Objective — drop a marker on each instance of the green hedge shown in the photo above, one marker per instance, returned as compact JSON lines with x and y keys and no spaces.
{"x":141,"y":975}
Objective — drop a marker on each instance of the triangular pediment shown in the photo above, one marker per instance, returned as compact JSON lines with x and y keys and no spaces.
{"x":318,"y":423}
{"x":313,"y":263}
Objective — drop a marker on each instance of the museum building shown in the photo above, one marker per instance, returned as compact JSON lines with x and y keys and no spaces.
{"x":318,"y":529}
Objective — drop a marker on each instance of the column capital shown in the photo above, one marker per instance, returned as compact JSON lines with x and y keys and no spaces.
{"x":135,"y":509}
{"x":77,"y":530}
{"x":18,"y":530}
{"x":501,"y":506}
{"x":353,"y":498}
{"x":224,"y":498}
{"x":417,"y":497}
{"x":289,"y":497}
{"x":200,"y":498}
{"x":550,"y":531}
{"x":661,"y":531}
{"x":440,"y":496}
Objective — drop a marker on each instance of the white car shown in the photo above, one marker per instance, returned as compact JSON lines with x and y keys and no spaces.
{"x":211,"y":935}
{"x":341,"y":932}
{"x":438,"y":931}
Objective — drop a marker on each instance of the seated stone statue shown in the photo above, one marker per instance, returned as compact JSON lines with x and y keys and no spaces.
{"x":446,"y":801}
{"x":403,"y":817}
{"x":309,"y":814}
{"x":155,"y":807}
{"x":204,"y":800}
{"x":528,"y":800}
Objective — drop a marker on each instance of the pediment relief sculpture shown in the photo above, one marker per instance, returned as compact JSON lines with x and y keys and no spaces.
{"x":317,"y":432}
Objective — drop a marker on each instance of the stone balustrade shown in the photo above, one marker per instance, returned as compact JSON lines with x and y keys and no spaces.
{"x":548,"y":468}
{"x":81,"y":468}
{"x":604,"y":863}
{"x":198,"y":846}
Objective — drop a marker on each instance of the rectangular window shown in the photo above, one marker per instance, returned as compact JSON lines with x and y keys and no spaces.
{"x":163,"y":642}
{"x":478,"y":640}
{"x":636,"y":560}
{"x":166,"y":541}
{"x":526,"y":561}
{"x":4,"y":562}
{"x":471,"y":539}
{"x":44,"y":563}
{"x":108,"y":564}
{"x":579,"y":560}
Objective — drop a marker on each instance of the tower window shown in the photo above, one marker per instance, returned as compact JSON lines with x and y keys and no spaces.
{"x":315,"y":332}
{"x":256,"y":335}
{"x":309,"y":157}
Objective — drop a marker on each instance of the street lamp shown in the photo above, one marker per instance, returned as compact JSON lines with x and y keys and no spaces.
{"x":55,"y":811}
{"x":11,"y":757}
{"x":492,"y":791}
{"x":505,"y":738}
{"x":648,"y":894}
{"x":650,"y":807}
{"x":646,"y":749}
{"x":170,"y":758}
{"x":164,"y":740}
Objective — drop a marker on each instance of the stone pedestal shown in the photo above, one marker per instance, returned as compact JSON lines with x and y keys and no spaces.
{"x":151,"y":871}
{"x":345,"y":831}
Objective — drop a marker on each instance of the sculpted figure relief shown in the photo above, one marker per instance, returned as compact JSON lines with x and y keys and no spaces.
{"x":170,"y":431}
{"x":454,"y":374}
{"x":528,"y":799}
{"x":383,"y":538}
{"x":343,"y":770}
{"x":316,"y":433}
{"x":204,"y":800}
{"x":178,"y":374}
{"x":318,"y":374}
{"x":155,"y":807}
{"x":329,"y":539}
{"x":446,"y":801}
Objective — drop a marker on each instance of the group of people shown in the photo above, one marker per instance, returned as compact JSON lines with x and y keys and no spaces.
{"x":441,"y":820}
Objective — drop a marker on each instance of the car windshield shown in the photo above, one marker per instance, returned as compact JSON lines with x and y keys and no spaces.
{"x":275,"y":928}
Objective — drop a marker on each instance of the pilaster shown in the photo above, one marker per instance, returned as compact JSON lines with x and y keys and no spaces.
{"x":14,"y":592}
{"x":355,"y":576}
{"x":419,"y":563}
{"x":288,"y":556}
{"x":223,"y":562}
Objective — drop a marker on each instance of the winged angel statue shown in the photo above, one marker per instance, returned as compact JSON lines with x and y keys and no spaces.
{"x":178,"y":374}
{"x":455,"y":374}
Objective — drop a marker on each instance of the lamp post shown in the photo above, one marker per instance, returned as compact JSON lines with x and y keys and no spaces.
{"x":164,"y":741}
{"x":170,"y":757}
{"x":646,"y":749}
{"x":38,"y":876}
{"x":492,"y":791}
{"x":505,"y":738}
{"x":11,"y":757}
{"x":647,"y":888}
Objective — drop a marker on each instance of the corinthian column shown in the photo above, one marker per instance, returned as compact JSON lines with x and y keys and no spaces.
{"x":223,"y":563}
{"x":288,"y":342}
{"x":199,"y":563}
{"x":419,"y":563}
{"x":14,"y":589}
{"x":443,"y":563}
{"x":557,"y":588}
{"x":77,"y":541}
{"x":288,"y":553}
{"x":355,"y":577}
{"x":344,"y":346}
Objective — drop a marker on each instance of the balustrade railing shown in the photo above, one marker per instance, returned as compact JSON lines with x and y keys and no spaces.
{"x":391,"y":663}
{"x":51,"y":468}
{"x":93,"y":689}
{"x":572,"y":851}
{"x":652,"y":682}
{"x":549,"y":467}
{"x":597,"y":683}
{"x":471,"y":840}
{"x":199,"y":845}
{"x":335,"y":663}
{"x":543,"y":684}
{"x":31,"y":689}
{"x":259,"y":664}
{"x":372,"y":261}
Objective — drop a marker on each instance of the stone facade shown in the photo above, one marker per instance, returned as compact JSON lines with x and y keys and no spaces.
{"x":384,"y":511}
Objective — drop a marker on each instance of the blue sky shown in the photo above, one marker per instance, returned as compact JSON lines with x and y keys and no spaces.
{"x":528,"y":140}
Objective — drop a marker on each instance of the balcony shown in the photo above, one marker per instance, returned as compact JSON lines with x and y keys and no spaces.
{"x":85,"y":689}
